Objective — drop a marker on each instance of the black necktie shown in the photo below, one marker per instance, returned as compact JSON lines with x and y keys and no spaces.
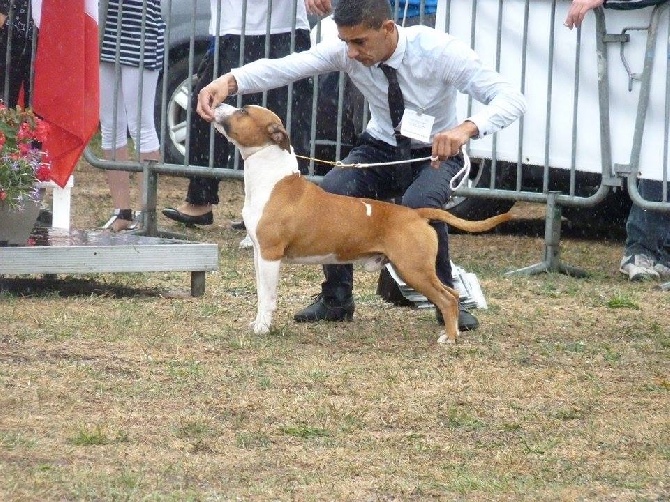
{"x":396,"y":101}
{"x":396,"y":109}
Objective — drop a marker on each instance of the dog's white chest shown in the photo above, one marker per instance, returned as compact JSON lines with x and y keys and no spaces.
{"x":262,"y":172}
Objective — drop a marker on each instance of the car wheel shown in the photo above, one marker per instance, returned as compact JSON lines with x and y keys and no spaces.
{"x":178,"y":101}
{"x":478,"y":208}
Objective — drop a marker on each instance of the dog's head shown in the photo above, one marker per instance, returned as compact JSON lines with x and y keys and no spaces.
{"x":251,"y":128}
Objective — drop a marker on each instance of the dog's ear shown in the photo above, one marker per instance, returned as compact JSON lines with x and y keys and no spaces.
{"x":280,"y":136}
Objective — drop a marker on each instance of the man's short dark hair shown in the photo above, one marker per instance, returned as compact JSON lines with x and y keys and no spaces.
{"x":370,"y":13}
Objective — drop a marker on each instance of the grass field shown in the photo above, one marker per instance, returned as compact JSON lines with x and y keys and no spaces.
{"x":122,"y":387}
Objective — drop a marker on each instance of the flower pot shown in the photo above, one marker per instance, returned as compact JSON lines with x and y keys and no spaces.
{"x":16,"y":224}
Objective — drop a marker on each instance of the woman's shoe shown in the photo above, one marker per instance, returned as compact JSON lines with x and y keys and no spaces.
{"x":177,"y":215}
{"x":120,"y":221}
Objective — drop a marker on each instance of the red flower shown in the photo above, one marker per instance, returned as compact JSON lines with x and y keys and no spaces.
{"x":24,"y":149}
{"x":41,"y":131}
{"x":25,"y":132}
{"x":22,"y":163}
{"x":43,"y":172}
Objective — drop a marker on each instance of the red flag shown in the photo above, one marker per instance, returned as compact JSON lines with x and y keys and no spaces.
{"x":66,"y":89}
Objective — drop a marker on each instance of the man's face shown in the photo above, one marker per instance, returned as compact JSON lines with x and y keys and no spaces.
{"x":369,"y":46}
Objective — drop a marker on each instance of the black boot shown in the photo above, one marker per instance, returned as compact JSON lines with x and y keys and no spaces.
{"x":327,"y":310}
{"x":466,"y":321}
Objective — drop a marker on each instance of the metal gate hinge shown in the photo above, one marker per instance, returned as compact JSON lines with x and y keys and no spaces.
{"x":622,"y":169}
{"x":616,"y":38}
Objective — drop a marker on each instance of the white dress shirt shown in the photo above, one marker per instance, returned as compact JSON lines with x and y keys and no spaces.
{"x":282,"y":18}
{"x":432,"y":67}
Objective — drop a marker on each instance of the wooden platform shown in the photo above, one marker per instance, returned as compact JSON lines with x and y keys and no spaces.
{"x":58,"y":251}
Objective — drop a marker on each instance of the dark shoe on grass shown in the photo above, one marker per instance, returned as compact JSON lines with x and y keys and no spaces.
{"x":466,"y":321}
{"x":326,"y":310}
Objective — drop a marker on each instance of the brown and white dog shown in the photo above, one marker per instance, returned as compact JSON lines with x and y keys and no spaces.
{"x":291,"y":219}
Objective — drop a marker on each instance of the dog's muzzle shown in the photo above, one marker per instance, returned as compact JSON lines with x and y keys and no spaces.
{"x":221,"y":113}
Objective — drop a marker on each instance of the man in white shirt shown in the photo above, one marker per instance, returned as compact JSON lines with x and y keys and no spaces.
{"x":431,"y":67}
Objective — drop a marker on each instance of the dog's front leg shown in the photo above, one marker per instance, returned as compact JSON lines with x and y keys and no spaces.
{"x":267,"y":279}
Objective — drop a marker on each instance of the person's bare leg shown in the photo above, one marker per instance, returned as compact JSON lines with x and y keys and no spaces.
{"x":119,"y":187}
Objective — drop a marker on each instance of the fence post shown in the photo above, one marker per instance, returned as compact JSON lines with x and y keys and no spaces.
{"x":552,"y":239}
{"x":150,"y":199}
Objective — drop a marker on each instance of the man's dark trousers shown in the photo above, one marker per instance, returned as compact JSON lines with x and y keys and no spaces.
{"x":419,"y":185}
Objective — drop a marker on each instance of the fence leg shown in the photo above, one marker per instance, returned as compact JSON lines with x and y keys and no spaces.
{"x":198,"y":283}
{"x":552,"y":237}
{"x":150,"y":200}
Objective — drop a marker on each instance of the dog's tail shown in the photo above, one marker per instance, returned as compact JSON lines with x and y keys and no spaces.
{"x":467,"y":225}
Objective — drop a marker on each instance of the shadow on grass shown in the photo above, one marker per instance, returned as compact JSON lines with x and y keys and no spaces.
{"x":36,"y":287}
{"x":535,"y":227}
{"x":586,"y":230}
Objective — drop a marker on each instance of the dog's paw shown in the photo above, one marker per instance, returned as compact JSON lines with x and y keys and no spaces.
{"x":444,"y":338}
{"x":260,"y":327}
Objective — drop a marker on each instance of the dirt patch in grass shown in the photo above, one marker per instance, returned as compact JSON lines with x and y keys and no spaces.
{"x":113,"y":389}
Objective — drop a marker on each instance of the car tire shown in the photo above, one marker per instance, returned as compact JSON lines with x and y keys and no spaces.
{"x":479,"y":208}
{"x":178,"y":94}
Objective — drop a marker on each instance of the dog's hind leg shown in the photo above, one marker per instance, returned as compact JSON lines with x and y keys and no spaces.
{"x":445,"y":299}
{"x":421,"y":276}
{"x":267,"y":279}
{"x":413,"y":256}
{"x":449,"y":309}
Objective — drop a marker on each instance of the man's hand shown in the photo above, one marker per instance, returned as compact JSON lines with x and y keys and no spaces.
{"x":448,"y":143}
{"x":578,"y":11}
{"x":3,"y":18}
{"x":215,"y":93}
{"x":319,"y":8}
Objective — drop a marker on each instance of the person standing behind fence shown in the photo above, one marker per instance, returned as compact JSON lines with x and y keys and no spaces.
{"x":133,"y":30}
{"x":203,"y":192}
{"x":647,"y":248}
{"x":21,"y":49}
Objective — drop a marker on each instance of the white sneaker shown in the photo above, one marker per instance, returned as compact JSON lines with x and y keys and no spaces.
{"x":662,"y":269}
{"x":246,"y":243}
{"x":638,"y":267}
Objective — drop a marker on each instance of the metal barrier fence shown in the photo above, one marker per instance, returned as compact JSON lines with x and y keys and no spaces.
{"x":556,"y":154}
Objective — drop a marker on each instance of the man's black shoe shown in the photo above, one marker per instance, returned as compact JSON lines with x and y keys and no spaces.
{"x":466,"y":321}
{"x":177,"y":215}
{"x":326,"y":310}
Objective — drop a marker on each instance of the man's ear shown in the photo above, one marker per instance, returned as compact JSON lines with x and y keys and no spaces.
{"x":279,"y":136}
{"x":388,"y":26}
